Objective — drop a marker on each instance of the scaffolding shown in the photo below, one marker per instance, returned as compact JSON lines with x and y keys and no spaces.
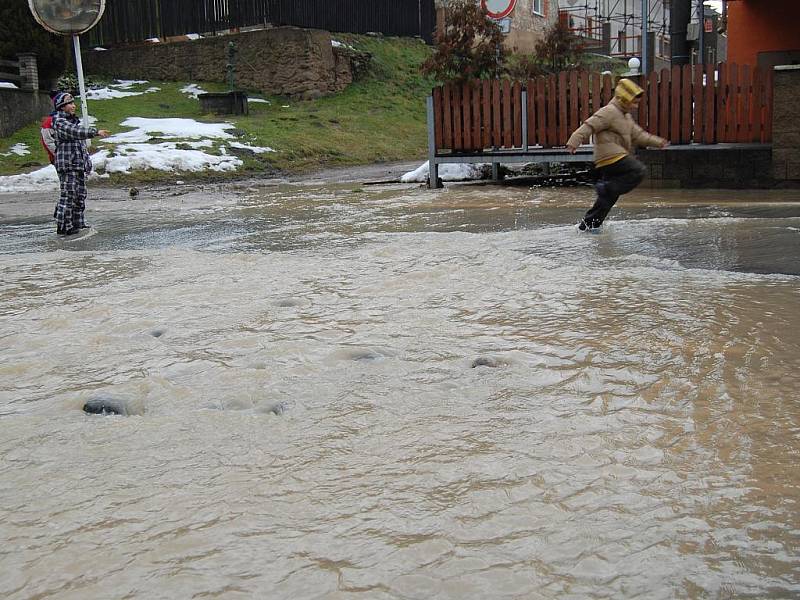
{"x":614,"y":27}
{"x":623,"y":23}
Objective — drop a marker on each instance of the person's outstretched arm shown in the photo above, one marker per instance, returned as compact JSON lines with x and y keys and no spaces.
{"x":68,"y":130}
{"x":590,"y":127}
{"x":643,"y":139}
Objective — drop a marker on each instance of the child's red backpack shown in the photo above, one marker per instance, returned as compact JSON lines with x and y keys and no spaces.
{"x":48,"y":140}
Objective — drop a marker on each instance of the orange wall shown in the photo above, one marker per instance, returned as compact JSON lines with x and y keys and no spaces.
{"x":761,"y":25}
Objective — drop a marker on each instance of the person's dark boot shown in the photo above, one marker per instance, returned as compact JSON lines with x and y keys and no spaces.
{"x":589,"y":225}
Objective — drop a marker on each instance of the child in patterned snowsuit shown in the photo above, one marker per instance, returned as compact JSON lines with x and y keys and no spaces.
{"x":72,"y":164}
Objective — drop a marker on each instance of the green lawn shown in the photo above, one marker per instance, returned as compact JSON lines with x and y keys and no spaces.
{"x":380,"y":118}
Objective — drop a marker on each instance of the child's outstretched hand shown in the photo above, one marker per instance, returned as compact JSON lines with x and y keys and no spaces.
{"x":103,"y":133}
{"x":572,"y":149}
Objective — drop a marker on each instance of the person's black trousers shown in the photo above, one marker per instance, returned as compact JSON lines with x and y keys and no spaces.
{"x":613,"y":181}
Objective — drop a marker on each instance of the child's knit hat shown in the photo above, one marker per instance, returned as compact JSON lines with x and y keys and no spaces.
{"x":61,"y":99}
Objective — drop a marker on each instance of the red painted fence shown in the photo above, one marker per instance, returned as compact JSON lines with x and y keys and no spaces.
{"x":704,"y":104}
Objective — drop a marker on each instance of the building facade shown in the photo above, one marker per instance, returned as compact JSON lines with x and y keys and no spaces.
{"x":524,"y":22}
{"x":763,"y":32}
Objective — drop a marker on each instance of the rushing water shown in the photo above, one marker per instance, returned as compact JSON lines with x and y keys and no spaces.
{"x":386,"y":392}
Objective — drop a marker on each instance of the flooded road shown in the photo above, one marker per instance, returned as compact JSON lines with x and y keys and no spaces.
{"x":387,"y":392}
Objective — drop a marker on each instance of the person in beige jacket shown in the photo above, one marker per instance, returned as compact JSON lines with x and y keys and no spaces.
{"x":615,"y":136}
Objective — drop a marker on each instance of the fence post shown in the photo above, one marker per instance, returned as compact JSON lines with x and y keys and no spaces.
{"x":28,"y":71}
{"x":433,"y":168}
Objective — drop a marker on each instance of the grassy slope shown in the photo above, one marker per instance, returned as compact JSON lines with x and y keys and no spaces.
{"x":380,"y":118}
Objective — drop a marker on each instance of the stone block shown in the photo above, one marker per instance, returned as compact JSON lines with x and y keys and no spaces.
{"x":793,"y":169}
{"x":677,"y":170}
{"x":670,"y":184}
{"x":734,"y":173}
{"x":703,"y":171}
{"x":786,"y":139}
{"x":779,"y":168}
{"x":650,"y":157}
{"x":655,"y":171}
{"x":226,"y":103}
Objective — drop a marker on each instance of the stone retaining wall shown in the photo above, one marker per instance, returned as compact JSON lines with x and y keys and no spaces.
{"x":285,"y":61}
{"x":19,"y":108}
{"x":786,"y":125}
{"x":723,"y":166}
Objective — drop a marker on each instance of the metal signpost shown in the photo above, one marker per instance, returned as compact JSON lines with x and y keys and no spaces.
{"x":646,"y":66}
{"x":70,"y":17}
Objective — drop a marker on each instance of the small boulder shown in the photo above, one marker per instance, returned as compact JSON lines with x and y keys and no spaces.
{"x":106,"y":405}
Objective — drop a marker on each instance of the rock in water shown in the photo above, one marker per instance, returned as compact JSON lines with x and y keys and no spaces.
{"x":104,"y":405}
{"x":485,"y":361}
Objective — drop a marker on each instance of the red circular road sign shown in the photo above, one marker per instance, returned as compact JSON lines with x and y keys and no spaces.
{"x":497,"y":9}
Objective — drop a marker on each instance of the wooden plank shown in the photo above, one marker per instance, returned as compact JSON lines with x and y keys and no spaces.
{"x":541,"y":111}
{"x":664,"y":105}
{"x":745,"y":96}
{"x":756,"y":102}
{"x":652,"y":102}
{"x":686,"y":104}
{"x":496,"y":109}
{"x":585,"y":108}
{"x":641,"y":112}
{"x":732,"y":110}
{"x":438,"y":116}
{"x":597,"y":94}
{"x":448,"y":118}
{"x":531,"y":87}
{"x":608,"y":90}
{"x":769,"y":85}
{"x":476,"y":115}
{"x":675,"y":105}
{"x":563,"y":111}
{"x":552,"y":119}
{"x":516,"y":105}
{"x":697,"y":103}
{"x":574,"y":101}
{"x":722,"y":99}
{"x":466,"y":118}
{"x":709,"y":99}
{"x":486,"y":117}
{"x":458,"y":127}
{"x":506,"y":126}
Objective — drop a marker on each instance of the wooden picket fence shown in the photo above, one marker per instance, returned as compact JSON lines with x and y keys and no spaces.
{"x":704,"y":104}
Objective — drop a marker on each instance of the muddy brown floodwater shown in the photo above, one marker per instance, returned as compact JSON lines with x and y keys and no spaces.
{"x":386,"y":392}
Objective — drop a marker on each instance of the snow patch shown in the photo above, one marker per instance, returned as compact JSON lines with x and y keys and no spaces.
{"x":18,"y":149}
{"x":447,"y":172}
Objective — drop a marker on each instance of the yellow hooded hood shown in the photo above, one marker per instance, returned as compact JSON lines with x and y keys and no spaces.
{"x":627,"y":90}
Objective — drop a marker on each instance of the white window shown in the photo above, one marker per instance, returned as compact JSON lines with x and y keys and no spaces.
{"x":538,"y":7}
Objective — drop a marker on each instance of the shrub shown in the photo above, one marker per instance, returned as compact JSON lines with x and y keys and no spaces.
{"x":559,"y":50}
{"x":470,"y":47}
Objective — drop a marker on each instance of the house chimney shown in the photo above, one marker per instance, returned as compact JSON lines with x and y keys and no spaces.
{"x":680,"y":14}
